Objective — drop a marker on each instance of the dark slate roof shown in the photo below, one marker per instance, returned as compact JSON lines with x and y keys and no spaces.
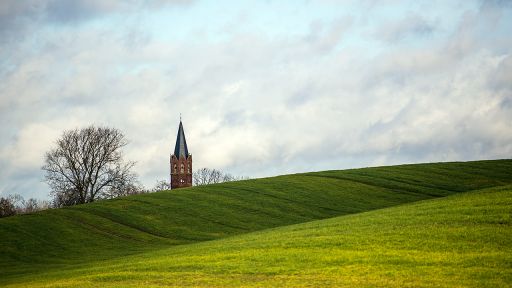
{"x":181,"y":144}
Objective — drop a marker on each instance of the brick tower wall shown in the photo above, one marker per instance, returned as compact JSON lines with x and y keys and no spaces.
{"x":181,"y":172}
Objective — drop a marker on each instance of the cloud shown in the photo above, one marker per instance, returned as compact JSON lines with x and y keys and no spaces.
{"x":19,"y":19}
{"x":23,"y":153}
{"x":80,"y":10}
{"x":413,"y":26}
{"x":501,"y":78}
{"x":323,"y":37}
{"x":258,"y":104}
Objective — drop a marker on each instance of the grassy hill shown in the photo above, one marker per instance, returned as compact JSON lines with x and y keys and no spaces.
{"x":79,"y":239}
{"x":463,"y":240}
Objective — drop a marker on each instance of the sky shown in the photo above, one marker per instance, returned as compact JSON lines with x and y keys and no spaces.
{"x":264,"y":87}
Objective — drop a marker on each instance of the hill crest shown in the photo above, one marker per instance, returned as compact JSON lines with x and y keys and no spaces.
{"x":140,"y":223}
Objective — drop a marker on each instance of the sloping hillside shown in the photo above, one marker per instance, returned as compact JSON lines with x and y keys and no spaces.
{"x":463,"y":240}
{"x":88,"y":233}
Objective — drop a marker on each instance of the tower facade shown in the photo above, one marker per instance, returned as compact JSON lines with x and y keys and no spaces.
{"x":181,"y":162}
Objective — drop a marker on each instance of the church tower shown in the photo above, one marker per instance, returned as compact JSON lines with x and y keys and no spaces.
{"x":181,"y":162}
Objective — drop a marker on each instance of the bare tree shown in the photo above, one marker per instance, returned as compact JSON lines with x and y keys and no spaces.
{"x":131,"y":187}
{"x":228,"y":178}
{"x":18,"y":201}
{"x":201,"y":176}
{"x":31,"y":205}
{"x":7,"y":208}
{"x":205,"y":176}
{"x":215,"y":176}
{"x":87,"y":165}
{"x":161,"y":185}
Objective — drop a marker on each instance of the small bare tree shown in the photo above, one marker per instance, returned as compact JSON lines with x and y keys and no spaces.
{"x":205,"y":176}
{"x":87,"y":165}
{"x":7,"y":208}
{"x":31,"y":205}
{"x":131,"y":187}
{"x":18,"y":201}
{"x":161,"y":185}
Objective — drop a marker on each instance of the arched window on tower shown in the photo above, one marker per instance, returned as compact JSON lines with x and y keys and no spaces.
{"x":182,"y":168}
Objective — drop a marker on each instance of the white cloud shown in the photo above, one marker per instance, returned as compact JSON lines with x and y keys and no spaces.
{"x":412,"y":26}
{"x":28,"y":150}
{"x":258,"y":105}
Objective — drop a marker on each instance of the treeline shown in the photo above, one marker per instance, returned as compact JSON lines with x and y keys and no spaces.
{"x":87,"y":165}
{"x":202,"y":176}
{"x":16,"y":204}
{"x":205,"y":176}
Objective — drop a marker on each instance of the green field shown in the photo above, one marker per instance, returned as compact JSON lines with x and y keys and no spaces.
{"x":385,"y":226}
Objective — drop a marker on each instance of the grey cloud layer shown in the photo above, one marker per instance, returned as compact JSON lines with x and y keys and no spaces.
{"x":18,"y":19}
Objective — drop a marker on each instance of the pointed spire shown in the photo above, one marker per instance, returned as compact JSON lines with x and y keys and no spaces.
{"x":181,"y":143}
